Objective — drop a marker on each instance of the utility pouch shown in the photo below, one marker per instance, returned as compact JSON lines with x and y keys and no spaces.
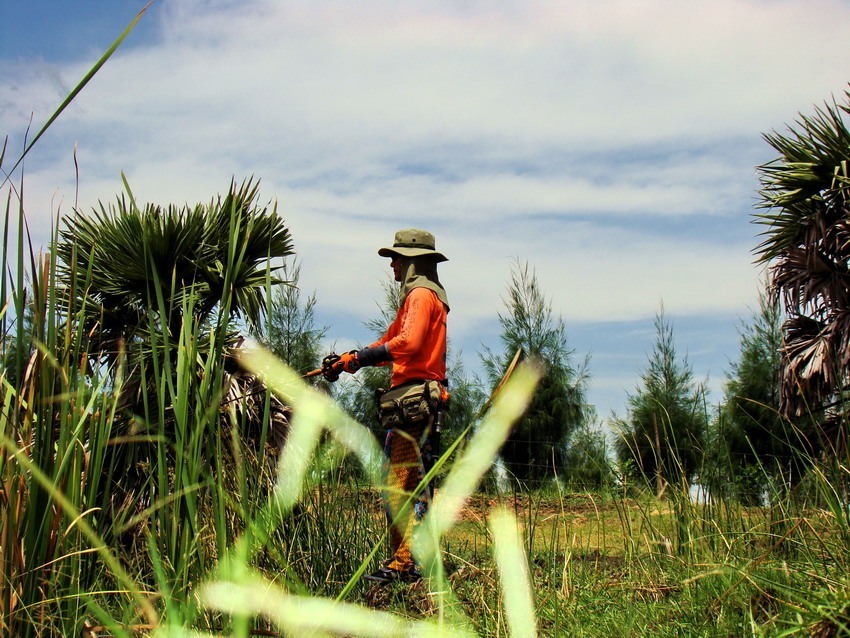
{"x":410,"y":404}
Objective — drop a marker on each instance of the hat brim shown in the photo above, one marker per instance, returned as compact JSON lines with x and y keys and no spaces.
{"x":412,"y":252}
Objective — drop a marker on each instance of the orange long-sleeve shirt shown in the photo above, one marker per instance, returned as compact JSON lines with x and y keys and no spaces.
{"x":416,"y":339}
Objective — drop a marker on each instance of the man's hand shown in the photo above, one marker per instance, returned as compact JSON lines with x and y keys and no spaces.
{"x":334,"y":364}
{"x":329,"y":370}
{"x":349,"y":361}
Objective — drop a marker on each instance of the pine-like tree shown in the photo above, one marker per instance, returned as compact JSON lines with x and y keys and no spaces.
{"x":588,"y":465}
{"x":358,"y":393}
{"x":536,"y":449}
{"x":291,"y":333}
{"x":661,"y":439}
{"x":749,"y":439}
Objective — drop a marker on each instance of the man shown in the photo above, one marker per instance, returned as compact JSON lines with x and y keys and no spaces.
{"x":410,"y":411}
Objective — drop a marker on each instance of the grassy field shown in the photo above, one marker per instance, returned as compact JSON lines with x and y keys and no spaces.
{"x":608,"y":565}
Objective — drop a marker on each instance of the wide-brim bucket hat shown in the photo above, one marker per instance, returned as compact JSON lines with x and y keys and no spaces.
{"x":413,"y":242}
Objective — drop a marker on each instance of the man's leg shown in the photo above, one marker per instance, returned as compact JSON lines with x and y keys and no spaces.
{"x":405,"y":473}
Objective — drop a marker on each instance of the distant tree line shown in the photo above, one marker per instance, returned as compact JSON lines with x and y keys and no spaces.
{"x":785,"y":396}
{"x":785,"y":399}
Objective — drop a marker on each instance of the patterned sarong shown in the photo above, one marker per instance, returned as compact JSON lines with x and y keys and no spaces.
{"x":409,"y":455}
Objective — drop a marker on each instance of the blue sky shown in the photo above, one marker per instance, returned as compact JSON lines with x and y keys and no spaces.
{"x":612,"y":145}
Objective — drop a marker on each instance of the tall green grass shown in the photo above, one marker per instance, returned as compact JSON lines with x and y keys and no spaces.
{"x":783,"y":563}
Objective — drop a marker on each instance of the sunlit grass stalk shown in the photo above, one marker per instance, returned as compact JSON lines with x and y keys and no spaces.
{"x":313,"y":412}
{"x":316,"y":616}
{"x":461,"y":481}
{"x":513,"y":572}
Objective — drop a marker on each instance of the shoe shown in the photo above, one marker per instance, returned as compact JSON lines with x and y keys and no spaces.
{"x":385,"y":575}
{"x":411,"y":576}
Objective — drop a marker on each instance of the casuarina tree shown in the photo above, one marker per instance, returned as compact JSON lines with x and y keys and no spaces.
{"x":588,"y":465}
{"x":291,"y":332}
{"x":359,"y":392}
{"x":750,"y":441}
{"x":661,"y":438}
{"x":536,"y":448}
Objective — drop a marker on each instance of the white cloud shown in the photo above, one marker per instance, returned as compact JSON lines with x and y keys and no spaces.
{"x":379,"y":75}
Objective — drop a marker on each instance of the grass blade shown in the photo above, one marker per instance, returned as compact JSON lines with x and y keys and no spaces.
{"x":73,"y":94}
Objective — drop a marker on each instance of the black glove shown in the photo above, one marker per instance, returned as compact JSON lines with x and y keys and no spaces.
{"x":334,"y":364}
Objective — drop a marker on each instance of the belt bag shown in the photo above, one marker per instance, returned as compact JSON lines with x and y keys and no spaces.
{"x":410,"y":404}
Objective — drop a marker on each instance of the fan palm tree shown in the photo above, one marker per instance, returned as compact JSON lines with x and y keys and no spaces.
{"x":805,"y":193}
{"x":156,"y":288}
{"x":131,"y":269}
